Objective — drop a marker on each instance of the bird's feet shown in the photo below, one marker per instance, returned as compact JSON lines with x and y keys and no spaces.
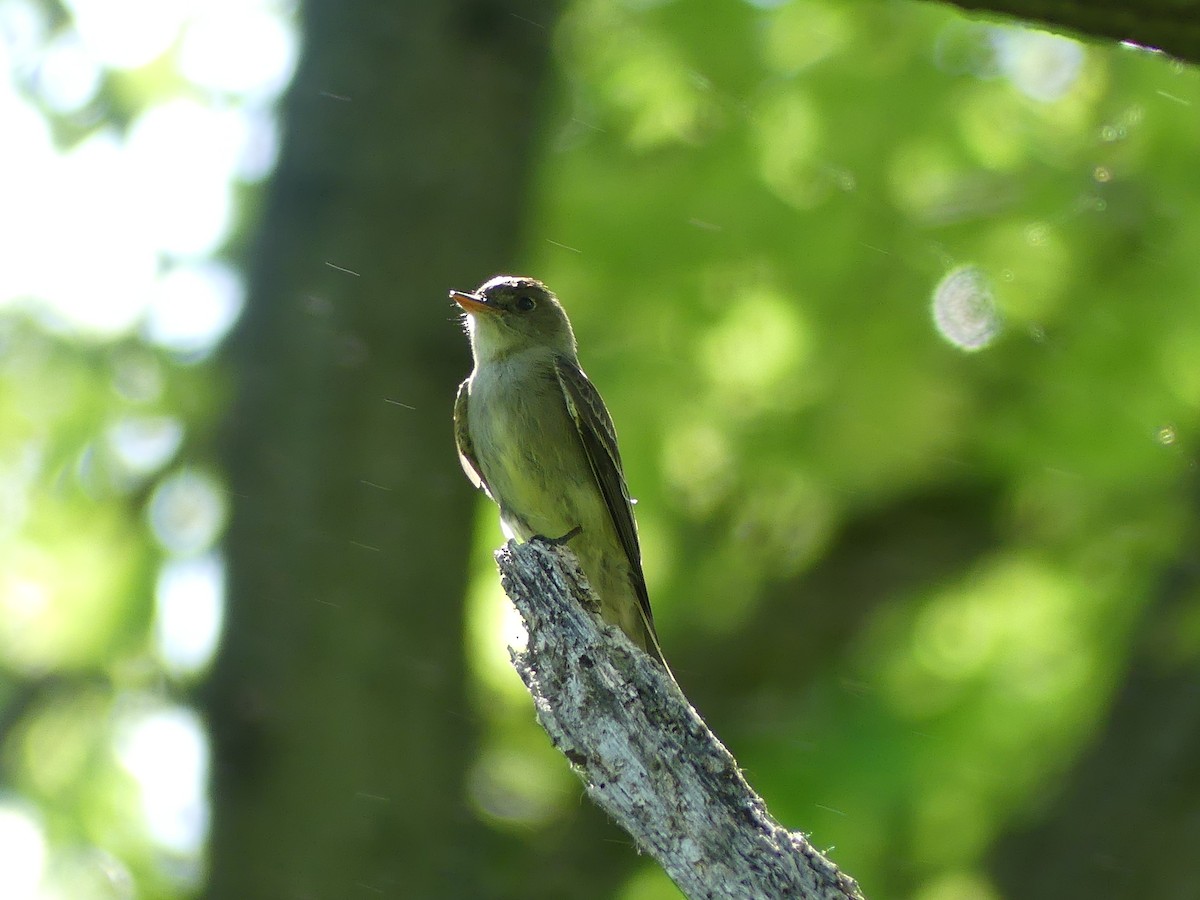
{"x":558,"y":541}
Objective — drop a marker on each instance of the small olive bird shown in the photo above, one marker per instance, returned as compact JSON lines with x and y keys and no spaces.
{"x":533,"y":433}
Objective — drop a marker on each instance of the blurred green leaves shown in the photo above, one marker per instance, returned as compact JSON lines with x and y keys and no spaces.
{"x":779,"y":228}
{"x":106,"y":488}
{"x":752,"y":215}
{"x":87,"y":432}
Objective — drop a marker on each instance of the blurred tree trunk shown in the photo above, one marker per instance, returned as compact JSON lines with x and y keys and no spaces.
{"x":338,"y":713}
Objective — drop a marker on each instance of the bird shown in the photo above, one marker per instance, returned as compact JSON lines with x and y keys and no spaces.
{"x":533,"y":433}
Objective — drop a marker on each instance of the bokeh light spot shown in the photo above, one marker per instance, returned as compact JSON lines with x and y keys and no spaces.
{"x":187,"y":512}
{"x":144,"y":444}
{"x":239,"y":49}
{"x":1040,"y":65}
{"x":964,"y":309}
{"x":68,"y":77}
{"x":108,"y":30}
{"x":165,"y":750}
{"x":22,"y":853}
{"x":190,"y":600}
{"x":193,"y":306}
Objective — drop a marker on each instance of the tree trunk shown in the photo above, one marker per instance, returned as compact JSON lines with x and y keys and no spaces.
{"x":337,"y":704}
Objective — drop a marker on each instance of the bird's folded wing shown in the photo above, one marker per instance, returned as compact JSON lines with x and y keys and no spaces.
{"x":599,"y":440}
{"x":462,"y":440}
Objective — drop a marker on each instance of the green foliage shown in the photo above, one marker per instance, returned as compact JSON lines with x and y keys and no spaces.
{"x":122,"y":138}
{"x":78,"y":662}
{"x":895,"y":312}
{"x":748,"y":214}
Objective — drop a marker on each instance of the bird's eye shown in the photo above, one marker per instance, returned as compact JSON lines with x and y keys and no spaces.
{"x":525,"y":303}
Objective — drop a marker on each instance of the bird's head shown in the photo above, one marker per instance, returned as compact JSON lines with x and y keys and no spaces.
{"x":510,"y":314}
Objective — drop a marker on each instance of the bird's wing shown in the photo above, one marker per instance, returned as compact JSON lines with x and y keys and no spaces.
{"x":462,"y":440}
{"x":599,"y":440}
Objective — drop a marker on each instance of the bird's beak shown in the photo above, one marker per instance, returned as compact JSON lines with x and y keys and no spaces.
{"x":472,"y":303}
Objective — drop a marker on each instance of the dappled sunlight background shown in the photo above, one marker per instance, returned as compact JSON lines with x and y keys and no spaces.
{"x":895,"y":314}
{"x":892,"y":257}
{"x":134,"y":131}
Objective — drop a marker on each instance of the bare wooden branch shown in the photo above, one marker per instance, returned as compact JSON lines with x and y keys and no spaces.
{"x":1169,"y":25}
{"x":645,"y":755}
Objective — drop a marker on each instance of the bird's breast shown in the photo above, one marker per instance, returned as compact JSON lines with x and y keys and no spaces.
{"x":529,"y":450}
